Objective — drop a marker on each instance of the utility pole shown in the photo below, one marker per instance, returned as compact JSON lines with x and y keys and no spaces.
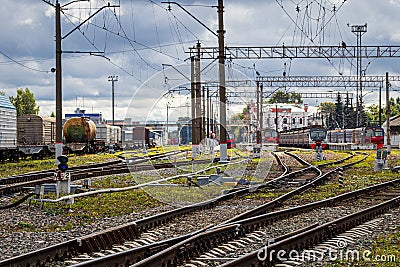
{"x":261,"y":114}
{"x":359,"y":31}
{"x":380,"y":106}
{"x":258,"y":134}
{"x":221,"y":55}
{"x":193,"y":106}
{"x":222,"y":89}
{"x":198,"y":118}
{"x":203,"y":112}
{"x":276,"y":117}
{"x":59,"y":142}
{"x":58,"y":70}
{"x":387,"y":113}
{"x":208,"y":112}
{"x":112,"y":79}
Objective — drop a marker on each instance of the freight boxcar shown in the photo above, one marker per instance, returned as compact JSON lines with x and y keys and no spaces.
{"x":143,"y":137}
{"x":8,"y":130}
{"x":108,"y":136}
{"x":36,"y":135}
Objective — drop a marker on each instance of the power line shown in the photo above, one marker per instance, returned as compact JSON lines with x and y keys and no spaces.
{"x":22,"y":65}
{"x":307,"y":35}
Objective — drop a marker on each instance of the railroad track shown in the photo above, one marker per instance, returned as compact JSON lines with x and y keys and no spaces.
{"x":119,"y":162}
{"x":328,"y":236}
{"x":18,"y":183}
{"x":141,"y":232}
{"x":255,"y":236}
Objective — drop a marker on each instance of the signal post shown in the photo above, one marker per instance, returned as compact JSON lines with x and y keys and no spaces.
{"x":62,"y":177}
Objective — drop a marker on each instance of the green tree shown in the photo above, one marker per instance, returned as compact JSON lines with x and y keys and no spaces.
{"x":372,"y":112}
{"x":348,"y":113}
{"x":328,"y":110}
{"x":372,"y":115}
{"x":2,"y":93}
{"x":283,"y":97}
{"x":24,"y":102}
{"x":339,"y":116}
{"x":52,"y":114}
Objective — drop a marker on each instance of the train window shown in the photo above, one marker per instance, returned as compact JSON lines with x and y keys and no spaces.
{"x":301,"y":121}
{"x":318,"y":134}
{"x":293,"y":121}
{"x":378,"y":132}
{"x":284,"y":120}
{"x":369,"y":132}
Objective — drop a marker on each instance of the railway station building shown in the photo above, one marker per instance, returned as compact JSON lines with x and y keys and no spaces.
{"x":285,"y":116}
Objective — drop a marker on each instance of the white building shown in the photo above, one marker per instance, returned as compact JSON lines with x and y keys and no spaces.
{"x":290,"y":116}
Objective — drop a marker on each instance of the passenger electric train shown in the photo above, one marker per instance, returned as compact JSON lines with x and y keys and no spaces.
{"x":358,"y":137}
{"x":303,"y":137}
{"x":271,"y":136}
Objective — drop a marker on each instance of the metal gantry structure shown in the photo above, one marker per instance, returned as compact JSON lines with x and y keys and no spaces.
{"x":292,"y":52}
{"x":311,"y":81}
{"x":327,"y":52}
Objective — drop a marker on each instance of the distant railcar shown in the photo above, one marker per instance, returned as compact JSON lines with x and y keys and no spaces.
{"x":108,"y":136}
{"x":365,"y":137}
{"x":79,"y":130}
{"x":36,"y":135}
{"x":79,"y":134}
{"x":185,"y":135}
{"x":8,"y":130}
{"x":143,"y":137}
{"x":317,"y":137}
{"x":301,"y":137}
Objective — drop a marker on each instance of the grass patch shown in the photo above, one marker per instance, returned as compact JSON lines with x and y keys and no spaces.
{"x":113,"y":204}
{"x":359,"y":176}
{"x":24,"y":166}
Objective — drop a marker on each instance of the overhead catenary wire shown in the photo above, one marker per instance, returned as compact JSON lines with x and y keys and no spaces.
{"x":308,"y":33}
{"x":131,"y":41}
{"x":23,"y":65}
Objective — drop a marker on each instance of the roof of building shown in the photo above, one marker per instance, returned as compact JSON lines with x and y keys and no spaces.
{"x":292,"y":107}
{"x":394,"y":121}
{"x":5,"y":102}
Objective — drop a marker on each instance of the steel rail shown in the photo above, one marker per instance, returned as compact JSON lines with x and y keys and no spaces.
{"x":104,"y":239}
{"x":316,"y":235}
{"x":190,"y":248}
{"x":168,"y":257}
{"x":129,"y":231}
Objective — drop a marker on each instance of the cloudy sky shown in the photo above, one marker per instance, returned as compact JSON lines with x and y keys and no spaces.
{"x":140,"y":40}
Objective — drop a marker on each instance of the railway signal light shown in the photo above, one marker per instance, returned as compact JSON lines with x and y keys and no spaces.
{"x":63,"y":166}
